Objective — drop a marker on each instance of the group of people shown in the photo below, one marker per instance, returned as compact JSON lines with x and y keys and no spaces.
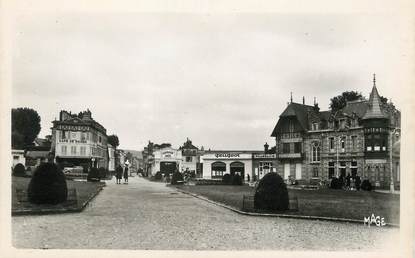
{"x":351,"y":182}
{"x":120,"y":172}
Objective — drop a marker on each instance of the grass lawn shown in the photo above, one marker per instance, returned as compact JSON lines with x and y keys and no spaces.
{"x":85,"y":190}
{"x":323,"y":202}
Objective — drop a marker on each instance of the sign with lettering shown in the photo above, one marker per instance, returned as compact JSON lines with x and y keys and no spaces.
{"x":227,"y":155}
{"x":265,"y":156}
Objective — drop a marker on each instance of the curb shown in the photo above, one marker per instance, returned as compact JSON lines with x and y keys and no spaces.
{"x":278,"y":215}
{"x":60,"y":210}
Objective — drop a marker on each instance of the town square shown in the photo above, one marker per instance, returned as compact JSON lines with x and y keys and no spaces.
{"x":134,"y":131}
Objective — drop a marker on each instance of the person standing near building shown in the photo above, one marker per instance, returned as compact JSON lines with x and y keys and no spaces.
{"x":126,"y":174}
{"x":118,"y":174}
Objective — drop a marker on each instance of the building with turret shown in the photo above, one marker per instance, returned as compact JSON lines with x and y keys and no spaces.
{"x":361,"y":139}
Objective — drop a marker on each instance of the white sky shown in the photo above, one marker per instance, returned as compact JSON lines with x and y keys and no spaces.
{"x":220,"y":79}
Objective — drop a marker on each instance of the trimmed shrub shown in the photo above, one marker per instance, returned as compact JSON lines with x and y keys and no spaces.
{"x":366,"y":185}
{"x":177,"y":176}
{"x":48,"y":185}
{"x":226,"y":179}
{"x":237,"y":179}
{"x":335,"y":183}
{"x":158,"y":176}
{"x":271,"y":193}
{"x":93,"y":175}
{"x":19,"y":170}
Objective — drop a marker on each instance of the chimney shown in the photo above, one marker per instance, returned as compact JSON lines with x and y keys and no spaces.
{"x":303,"y":100}
{"x":266,"y":147}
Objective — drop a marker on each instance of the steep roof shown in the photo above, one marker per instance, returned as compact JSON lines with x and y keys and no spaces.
{"x":357,"y":107}
{"x":374,"y":110}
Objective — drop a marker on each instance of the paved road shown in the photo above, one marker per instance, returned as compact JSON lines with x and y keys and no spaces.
{"x":149,"y":215}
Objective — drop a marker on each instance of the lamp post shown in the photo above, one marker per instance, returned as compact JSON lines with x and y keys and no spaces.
{"x":394,"y":131}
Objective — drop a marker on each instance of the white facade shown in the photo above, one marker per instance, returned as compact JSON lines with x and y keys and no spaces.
{"x":164,"y":156}
{"x":111,"y":158}
{"x":18,"y":157}
{"x":232,"y":160}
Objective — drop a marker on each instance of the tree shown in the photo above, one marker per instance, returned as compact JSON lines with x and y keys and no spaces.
{"x":339,"y":102}
{"x":25,"y":127}
{"x":113,"y":140}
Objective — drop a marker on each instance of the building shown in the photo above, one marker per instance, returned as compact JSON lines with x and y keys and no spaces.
{"x":77,"y":139}
{"x":356,"y":140}
{"x":217,"y":163}
{"x":190,"y":157}
{"x":18,"y":156}
{"x":263,"y":163}
{"x":38,"y":153}
{"x":148,"y":157}
{"x":167,"y":160}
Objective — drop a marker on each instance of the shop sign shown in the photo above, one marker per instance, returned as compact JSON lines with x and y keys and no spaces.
{"x":265,"y":156}
{"x":228,"y":155}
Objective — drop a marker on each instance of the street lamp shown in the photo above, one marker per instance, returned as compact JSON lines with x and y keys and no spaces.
{"x":396,"y":132}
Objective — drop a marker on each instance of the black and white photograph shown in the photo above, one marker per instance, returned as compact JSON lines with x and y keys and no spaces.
{"x":153,"y":129}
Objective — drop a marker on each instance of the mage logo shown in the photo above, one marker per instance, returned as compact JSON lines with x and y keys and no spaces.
{"x":377,"y":220}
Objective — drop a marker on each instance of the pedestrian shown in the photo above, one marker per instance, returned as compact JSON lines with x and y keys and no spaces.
{"x":348,"y":182}
{"x":118,"y":174}
{"x":126,"y":175}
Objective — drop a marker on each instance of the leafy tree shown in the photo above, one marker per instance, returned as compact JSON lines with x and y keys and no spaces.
{"x":25,"y":127}
{"x":339,"y":102}
{"x":113,"y":140}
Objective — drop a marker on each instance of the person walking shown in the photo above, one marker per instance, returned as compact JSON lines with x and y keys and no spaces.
{"x":126,"y":174}
{"x":118,"y":174}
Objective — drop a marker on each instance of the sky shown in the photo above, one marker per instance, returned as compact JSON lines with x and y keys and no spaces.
{"x":219,"y":79}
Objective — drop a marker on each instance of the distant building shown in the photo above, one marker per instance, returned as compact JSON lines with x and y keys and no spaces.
{"x":39,"y":152}
{"x":18,"y":157}
{"x":79,"y":140}
{"x":167,"y":160}
{"x":148,"y":156}
{"x":190,"y":157}
{"x":356,"y":140}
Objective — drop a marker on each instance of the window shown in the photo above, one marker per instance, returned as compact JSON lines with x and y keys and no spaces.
{"x":63,"y":149}
{"x":188,"y":159}
{"x":99,"y":139}
{"x":314,"y":126}
{"x":83,"y":136}
{"x":291,"y":127}
{"x":331,"y":143}
{"x":285,"y":148}
{"x":63,"y":135}
{"x":331,"y":124}
{"x":315,"y":171}
{"x":15,"y":157}
{"x":342,"y":123}
{"x":73,"y":150}
{"x":354,"y":143}
{"x":218,"y":169}
{"x":265,"y":167}
{"x":343,"y":144}
{"x":331,"y":169}
{"x":297,"y":147}
{"x":315,"y":152}
{"x":83,"y":150}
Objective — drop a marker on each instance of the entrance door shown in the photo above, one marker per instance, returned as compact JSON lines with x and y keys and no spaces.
{"x":167,"y":167}
{"x":238,"y":168}
{"x":286,"y":170}
{"x":298,"y":171}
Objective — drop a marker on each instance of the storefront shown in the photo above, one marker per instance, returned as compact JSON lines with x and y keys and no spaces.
{"x":166,"y":160}
{"x":218,"y":163}
{"x":263,"y":164}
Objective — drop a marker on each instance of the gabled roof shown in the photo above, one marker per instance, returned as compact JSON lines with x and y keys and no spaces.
{"x":300,"y":111}
{"x":356,"y":107}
